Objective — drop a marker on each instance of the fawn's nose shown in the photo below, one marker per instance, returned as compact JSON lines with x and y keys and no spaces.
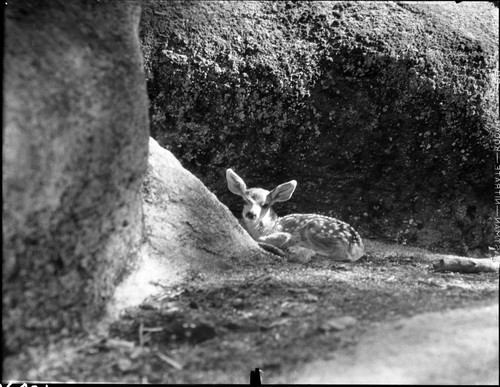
{"x":251,"y":215}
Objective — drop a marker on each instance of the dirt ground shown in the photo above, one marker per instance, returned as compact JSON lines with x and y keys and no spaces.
{"x":454,"y":347}
{"x":298,"y":322}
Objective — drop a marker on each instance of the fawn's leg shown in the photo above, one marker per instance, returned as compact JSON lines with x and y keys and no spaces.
{"x":278,"y":239}
{"x":272,"y":249}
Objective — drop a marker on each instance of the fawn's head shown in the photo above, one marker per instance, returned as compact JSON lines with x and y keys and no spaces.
{"x":258,"y":201}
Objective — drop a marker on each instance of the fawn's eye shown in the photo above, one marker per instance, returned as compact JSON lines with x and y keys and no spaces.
{"x":265,"y":205}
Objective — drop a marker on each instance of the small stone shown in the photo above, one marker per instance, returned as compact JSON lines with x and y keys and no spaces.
{"x":311,"y":298}
{"x":138,"y":352}
{"x":124,"y":364}
{"x":238,"y":303}
{"x":338,"y":323}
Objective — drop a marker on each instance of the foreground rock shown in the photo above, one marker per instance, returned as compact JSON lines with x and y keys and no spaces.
{"x":75,"y":224}
{"x":74,"y":155}
{"x":455,"y":347}
{"x":187,"y":231}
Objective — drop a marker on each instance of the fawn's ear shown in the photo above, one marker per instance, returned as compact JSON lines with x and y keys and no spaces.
{"x":282,"y":192}
{"x":235,"y":183}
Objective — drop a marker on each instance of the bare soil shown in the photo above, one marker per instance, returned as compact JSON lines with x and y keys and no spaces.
{"x":278,"y":316}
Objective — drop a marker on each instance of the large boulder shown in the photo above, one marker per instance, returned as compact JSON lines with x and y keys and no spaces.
{"x":75,"y":146}
{"x":187,"y":232}
{"x":384,"y":112}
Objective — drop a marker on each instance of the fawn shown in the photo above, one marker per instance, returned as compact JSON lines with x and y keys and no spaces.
{"x":321,"y":234}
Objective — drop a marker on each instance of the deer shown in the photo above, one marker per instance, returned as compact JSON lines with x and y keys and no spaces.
{"x":318,"y":234}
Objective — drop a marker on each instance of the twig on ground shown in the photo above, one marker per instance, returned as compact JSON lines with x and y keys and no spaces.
{"x":153,"y":329}
{"x":141,"y":335}
{"x":118,"y":343}
{"x":171,"y":362}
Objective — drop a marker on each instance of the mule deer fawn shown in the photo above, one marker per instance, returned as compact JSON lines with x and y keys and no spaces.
{"x":321,"y":234}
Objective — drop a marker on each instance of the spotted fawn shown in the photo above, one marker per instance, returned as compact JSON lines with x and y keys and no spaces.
{"x":320,"y":234}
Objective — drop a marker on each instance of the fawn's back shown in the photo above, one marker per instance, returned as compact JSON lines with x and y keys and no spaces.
{"x":325,"y":235}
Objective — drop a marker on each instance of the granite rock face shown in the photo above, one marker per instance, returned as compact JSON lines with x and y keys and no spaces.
{"x":384,"y":112}
{"x":75,"y":145}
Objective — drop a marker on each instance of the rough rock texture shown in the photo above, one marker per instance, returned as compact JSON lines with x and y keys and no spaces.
{"x":187,"y":231}
{"x":384,"y":112}
{"x":78,"y":246}
{"x":74,"y":153}
{"x":186,"y":221}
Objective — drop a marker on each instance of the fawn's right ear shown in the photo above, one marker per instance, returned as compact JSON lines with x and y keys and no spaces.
{"x":235,"y":183}
{"x":282,"y":192}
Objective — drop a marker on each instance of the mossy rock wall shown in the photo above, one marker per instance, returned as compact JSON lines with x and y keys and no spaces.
{"x":383,"y":112}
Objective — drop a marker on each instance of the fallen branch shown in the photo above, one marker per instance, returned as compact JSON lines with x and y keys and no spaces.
{"x":466,"y":265}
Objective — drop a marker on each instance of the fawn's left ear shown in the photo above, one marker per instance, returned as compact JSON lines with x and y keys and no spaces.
{"x":282,"y":192}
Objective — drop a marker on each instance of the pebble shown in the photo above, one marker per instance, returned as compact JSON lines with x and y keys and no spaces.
{"x":338,"y":323}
